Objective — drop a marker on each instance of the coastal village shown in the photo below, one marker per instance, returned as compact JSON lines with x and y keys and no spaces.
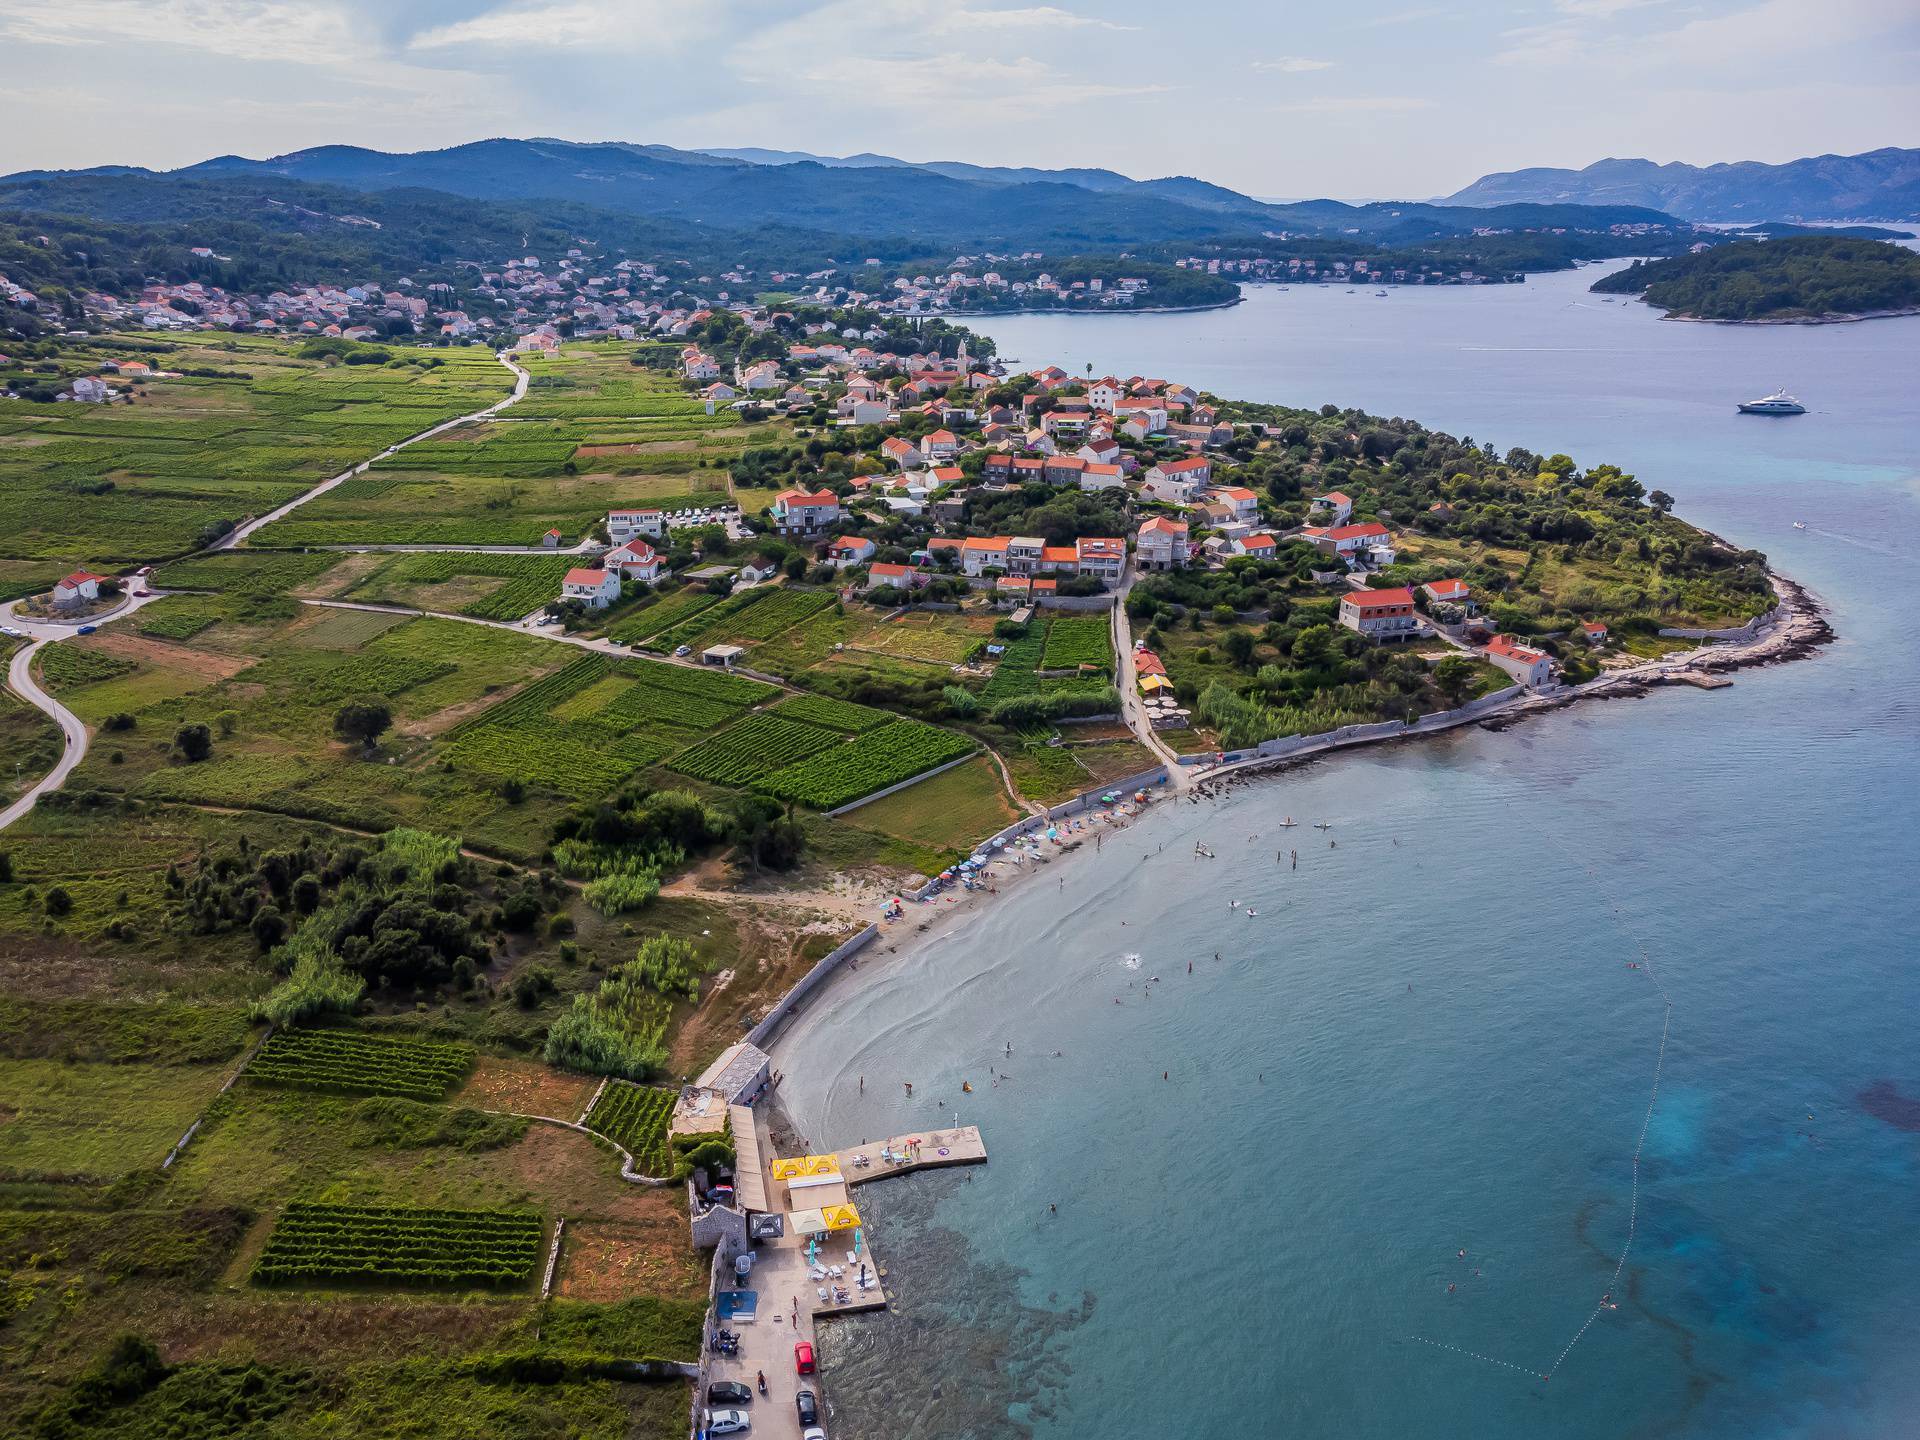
{"x":1209,"y":586}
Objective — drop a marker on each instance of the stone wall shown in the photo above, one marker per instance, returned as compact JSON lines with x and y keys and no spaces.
{"x":790,"y":1002}
{"x":1738,"y":632}
{"x":1291,"y":745}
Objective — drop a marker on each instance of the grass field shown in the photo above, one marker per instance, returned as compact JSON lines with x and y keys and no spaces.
{"x":488,"y":587}
{"x":108,"y":485}
{"x":950,"y":812}
{"x":593,"y":433}
{"x":96,"y":1121}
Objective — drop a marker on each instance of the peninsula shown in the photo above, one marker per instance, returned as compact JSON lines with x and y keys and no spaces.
{"x":1797,"y":278}
{"x":434,"y":759}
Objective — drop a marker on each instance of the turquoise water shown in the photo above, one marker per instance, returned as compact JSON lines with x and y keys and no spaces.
{"x":1430,"y":1037}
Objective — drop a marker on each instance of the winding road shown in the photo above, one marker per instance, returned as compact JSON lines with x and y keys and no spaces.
{"x":42,"y":633}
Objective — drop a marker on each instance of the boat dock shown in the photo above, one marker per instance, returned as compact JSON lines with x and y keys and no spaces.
{"x":821,"y":1263}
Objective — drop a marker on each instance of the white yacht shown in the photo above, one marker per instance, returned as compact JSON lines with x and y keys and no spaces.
{"x":1778,"y":403}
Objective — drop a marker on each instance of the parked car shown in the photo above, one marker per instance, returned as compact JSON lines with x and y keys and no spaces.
{"x":9,"y":630}
{"x":683,"y":650}
{"x":803,"y":1358}
{"x":813,"y":1432}
{"x":87,"y":629}
{"x":728,"y":1422}
{"x":808,"y":1407}
{"x":729,"y":1392}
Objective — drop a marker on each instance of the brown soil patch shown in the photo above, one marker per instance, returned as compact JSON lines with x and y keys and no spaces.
{"x":442,"y":721}
{"x":165,"y":655}
{"x":617,"y":1262}
{"x":777,"y":947}
{"x":567,"y":1173}
{"x":332,"y":584}
{"x":526,"y":1087}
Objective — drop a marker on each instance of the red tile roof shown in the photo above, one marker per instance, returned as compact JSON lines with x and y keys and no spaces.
{"x":580,"y":575}
{"x":1380,"y":599}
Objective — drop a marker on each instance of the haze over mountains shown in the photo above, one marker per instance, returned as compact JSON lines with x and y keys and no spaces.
{"x":1878,"y":185}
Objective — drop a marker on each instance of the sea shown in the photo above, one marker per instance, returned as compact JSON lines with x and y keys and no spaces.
{"x":1355,"y":1146}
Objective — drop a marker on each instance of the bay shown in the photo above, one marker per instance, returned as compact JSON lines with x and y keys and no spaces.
{"x":1443,"y":1032}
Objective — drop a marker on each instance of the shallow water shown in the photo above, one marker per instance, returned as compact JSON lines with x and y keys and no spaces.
{"x":1430,"y":1037}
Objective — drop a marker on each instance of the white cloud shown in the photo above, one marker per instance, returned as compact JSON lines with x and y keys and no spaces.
{"x":300,"y":33}
{"x":1292,"y":65}
{"x":564,"y":26}
{"x":1786,"y":30}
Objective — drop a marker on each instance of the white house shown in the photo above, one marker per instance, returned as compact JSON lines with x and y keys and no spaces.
{"x":1244,"y":502}
{"x":596,"y":589}
{"x":624,"y":525}
{"x":636,"y":560}
{"x":78,"y":588}
{"x":91,"y":390}
{"x":979,"y":554}
{"x":695,"y":364}
{"x":805,"y":512}
{"x":857,"y":410}
{"x":1178,"y":481}
{"x":897,"y":577}
{"x":1101,"y":556}
{"x":1161,"y":544}
{"x":1339,"y":504}
{"x":1023,"y":554}
{"x":1104,"y":394}
{"x":1261,"y":547}
{"x":1153,"y":413}
{"x":1447,"y":592}
{"x":849,"y":550}
{"x":1524,"y":663}
{"x":1103,"y":477}
{"x":1594,"y":632}
{"x":940,"y":445}
{"x":903,"y":453}
{"x":1380,"y":614}
{"x":1347,"y":540}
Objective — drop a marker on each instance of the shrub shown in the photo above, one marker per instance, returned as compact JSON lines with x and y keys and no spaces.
{"x":58,"y":901}
{"x":193,"y":742}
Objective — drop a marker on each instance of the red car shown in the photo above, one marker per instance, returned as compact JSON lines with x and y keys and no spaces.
{"x":803,"y":1358}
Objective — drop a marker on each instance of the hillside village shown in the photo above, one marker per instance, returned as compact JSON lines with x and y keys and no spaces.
{"x":588,"y":295}
{"x":931,"y":479}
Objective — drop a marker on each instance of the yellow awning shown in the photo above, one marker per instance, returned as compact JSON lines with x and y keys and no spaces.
{"x":841,"y":1217}
{"x":797,"y":1166}
{"x":1151,"y":683}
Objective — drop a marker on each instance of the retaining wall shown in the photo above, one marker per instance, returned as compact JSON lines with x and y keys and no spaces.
{"x":923,"y":775}
{"x":1289,"y":745}
{"x":771,"y":1022}
{"x":1738,"y":632}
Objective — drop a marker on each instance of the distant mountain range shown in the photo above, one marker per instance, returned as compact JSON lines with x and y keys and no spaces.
{"x":939,"y":207}
{"x":1879,"y":185}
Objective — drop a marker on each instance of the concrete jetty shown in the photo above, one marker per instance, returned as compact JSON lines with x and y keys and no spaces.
{"x":821,"y":1263}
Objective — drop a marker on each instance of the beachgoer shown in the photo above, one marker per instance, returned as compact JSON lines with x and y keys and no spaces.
{"x":863,"y":1084}
{"x":909,"y":1085}
{"x":1189,"y":967}
{"x":1165,"y":1073}
{"x":1053,"y":1209}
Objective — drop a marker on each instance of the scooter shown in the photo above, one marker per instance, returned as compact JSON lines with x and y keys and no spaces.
{"x":763,"y":1382}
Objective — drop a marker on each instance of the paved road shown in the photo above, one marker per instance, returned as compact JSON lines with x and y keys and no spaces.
{"x":42,"y":633}
{"x":242,"y":531}
{"x":1132,"y":709}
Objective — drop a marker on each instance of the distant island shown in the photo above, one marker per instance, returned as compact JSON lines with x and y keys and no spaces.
{"x":1878,"y":185}
{"x":1800,"y":278}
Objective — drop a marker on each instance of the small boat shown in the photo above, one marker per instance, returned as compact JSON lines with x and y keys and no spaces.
{"x":1778,"y":403}
{"x":1324,"y":825}
{"x":1381,"y":293}
{"x":1799,"y":524}
{"x":1288,"y":823}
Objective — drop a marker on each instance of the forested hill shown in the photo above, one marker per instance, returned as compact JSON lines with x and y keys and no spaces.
{"x":1802,"y":277}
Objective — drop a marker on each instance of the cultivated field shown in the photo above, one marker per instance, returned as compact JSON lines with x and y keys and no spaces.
{"x":109,"y":485}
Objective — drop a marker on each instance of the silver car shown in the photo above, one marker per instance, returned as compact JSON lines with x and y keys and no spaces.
{"x":728,"y":1422}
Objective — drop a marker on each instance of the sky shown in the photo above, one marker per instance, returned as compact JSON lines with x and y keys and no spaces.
{"x":1345,"y":98}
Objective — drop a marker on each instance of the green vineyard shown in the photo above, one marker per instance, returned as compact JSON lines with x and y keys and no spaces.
{"x":636,"y":1116}
{"x":886,"y":756}
{"x":759,"y":745}
{"x":375,"y":1245}
{"x":349,"y":1062}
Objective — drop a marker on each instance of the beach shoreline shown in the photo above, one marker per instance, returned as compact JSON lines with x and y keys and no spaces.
{"x":1799,"y":629}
